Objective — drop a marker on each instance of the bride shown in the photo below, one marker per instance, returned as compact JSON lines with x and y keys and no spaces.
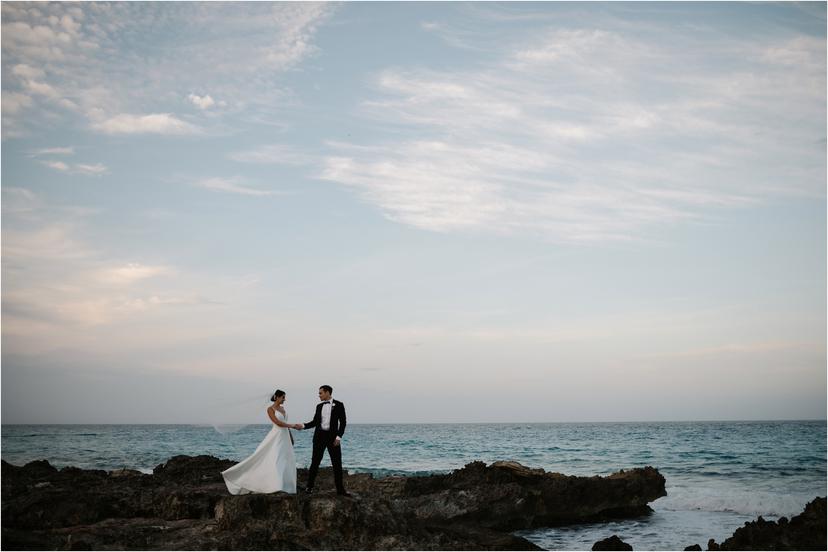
{"x":272,"y":467}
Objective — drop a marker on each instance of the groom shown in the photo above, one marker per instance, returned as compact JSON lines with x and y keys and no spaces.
{"x":329,"y":422}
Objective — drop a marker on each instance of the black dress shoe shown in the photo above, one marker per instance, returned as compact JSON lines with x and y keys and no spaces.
{"x":343,"y":493}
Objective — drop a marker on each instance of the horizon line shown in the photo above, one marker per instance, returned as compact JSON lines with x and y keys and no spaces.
{"x":206,"y":424}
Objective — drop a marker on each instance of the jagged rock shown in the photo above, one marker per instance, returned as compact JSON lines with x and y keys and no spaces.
{"x":694,"y":547}
{"x":612,"y":543}
{"x":124,"y":473}
{"x":807,"y":531}
{"x":192,"y":469}
{"x":508,"y":496}
{"x":184,"y":504}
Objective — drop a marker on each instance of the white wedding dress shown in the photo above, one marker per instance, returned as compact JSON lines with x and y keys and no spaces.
{"x":271,"y":468}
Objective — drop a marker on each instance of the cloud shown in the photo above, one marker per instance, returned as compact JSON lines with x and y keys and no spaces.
{"x":593,"y":134}
{"x":297,"y":25}
{"x":56,"y":283}
{"x":28,"y":72}
{"x":434,"y":185}
{"x":19,"y":202}
{"x":231,"y":185}
{"x":72,"y":308}
{"x":459,"y":36}
{"x":491,"y":188}
{"x":42,"y":89}
{"x":21,"y":193}
{"x":202,"y":102}
{"x":273,"y":154}
{"x":96,"y":169}
{"x":23,"y":206}
{"x":57,"y":165}
{"x":73,"y":57}
{"x":758,"y":348}
{"x":131,"y":273}
{"x":54,"y":151}
{"x":800,"y":51}
{"x":54,"y":241}
{"x":15,"y":102}
{"x":156,"y":123}
{"x":79,"y":168}
{"x":19,"y":34}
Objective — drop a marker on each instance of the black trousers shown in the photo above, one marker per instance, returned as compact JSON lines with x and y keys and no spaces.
{"x":325,"y":440}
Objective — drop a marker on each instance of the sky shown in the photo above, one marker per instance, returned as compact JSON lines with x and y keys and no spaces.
{"x":449,"y":212}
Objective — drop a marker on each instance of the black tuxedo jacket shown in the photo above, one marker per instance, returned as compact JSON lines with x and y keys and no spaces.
{"x":338,"y":419}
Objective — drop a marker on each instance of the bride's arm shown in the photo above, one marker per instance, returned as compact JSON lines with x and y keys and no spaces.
{"x":271,"y":413}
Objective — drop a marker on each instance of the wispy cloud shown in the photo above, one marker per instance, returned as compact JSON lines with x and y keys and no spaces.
{"x":571,"y":134}
{"x":273,"y":154}
{"x":232,"y":185}
{"x":131,"y":273}
{"x":15,"y":198}
{"x":297,"y":25}
{"x":90,"y":169}
{"x":57,"y":165}
{"x":753,"y":348}
{"x":53,"y":151}
{"x":96,"y":169}
{"x":93,"y":169}
{"x":24,"y":205}
{"x":57,"y":283}
{"x":155,"y":123}
{"x":54,"y":241}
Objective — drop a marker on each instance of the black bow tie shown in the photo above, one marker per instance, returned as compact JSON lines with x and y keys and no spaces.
{"x":326,"y":402}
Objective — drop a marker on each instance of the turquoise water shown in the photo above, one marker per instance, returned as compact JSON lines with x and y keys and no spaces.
{"x":719,"y":474}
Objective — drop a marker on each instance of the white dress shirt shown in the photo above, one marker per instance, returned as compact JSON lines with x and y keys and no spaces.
{"x":326,"y":415}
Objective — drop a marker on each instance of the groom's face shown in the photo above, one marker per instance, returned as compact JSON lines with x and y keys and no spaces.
{"x":324,"y":395}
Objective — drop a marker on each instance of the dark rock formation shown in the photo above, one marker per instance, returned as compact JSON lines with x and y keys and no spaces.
{"x":508,"y":496}
{"x":185,"y":505}
{"x":694,"y":547}
{"x":807,"y":531}
{"x":612,"y":543}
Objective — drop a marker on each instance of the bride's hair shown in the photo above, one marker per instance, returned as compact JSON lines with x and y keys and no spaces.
{"x":277,"y":394}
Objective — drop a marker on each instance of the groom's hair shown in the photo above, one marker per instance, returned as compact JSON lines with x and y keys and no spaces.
{"x":327,"y":388}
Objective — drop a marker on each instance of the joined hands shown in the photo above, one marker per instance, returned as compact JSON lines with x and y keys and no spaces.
{"x":298,"y":426}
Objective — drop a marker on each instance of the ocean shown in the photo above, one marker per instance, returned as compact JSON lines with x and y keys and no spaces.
{"x":719,"y":474}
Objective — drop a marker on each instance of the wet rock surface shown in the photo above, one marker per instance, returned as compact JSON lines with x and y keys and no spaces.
{"x":612,"y":543}
{"x":185,"y":505}
{"x":806,"y":531}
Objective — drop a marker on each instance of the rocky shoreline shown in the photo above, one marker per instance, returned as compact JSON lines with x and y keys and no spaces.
{"x":185,"y":505}
{"x":806,"y":531}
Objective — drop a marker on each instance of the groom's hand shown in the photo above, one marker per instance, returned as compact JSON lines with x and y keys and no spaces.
{"x":336,"y":441}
